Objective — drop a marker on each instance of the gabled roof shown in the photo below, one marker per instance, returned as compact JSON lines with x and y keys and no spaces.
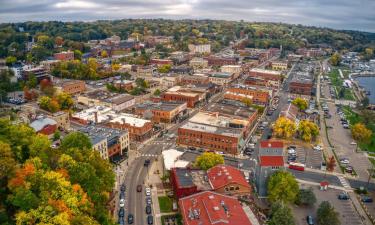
{"x":222,"y":175}
{"x":271,"y":144}
{"x":271,"y":161}
{"x":209,"y":208}
{"x":39,"y":124}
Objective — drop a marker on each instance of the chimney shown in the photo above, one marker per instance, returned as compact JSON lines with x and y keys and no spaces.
{"x":96,"y":116}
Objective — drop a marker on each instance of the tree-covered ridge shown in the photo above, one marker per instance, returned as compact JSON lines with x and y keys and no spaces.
{"x":41,"y":185}
{"x":218,"y":33}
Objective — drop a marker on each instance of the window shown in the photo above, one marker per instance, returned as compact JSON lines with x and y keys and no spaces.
{"x":226,"y":189}
{"x":231,"y":188}
{"x":237,"y":188}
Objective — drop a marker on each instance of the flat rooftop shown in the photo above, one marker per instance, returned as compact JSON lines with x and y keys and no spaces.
{"x":265,"y":71}
{"x":163,"y":106}
{"x":229,"y":108}
{"x":98,"y":133}
{"x":189,"y":178}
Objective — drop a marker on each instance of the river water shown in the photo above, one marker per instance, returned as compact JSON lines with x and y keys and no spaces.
{"x":368,"y":83}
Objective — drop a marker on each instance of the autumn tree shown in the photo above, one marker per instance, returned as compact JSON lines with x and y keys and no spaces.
{"x":284,"y":128}
{"x":164,"y":68}
{"x":157,"y":92}
{"x":7,"y":161}
{"x":208,"y":160}
{"x":360,"y":133}
{"x":283,"y":187}
{"x":308,"y":130}
{"x":65,"y":100}
{"x":300,"y":103}
{"x":77,"y":55}
{"x":10,"y":60}
{"x":46,"y":86}
{"x":104,"y":54}
{"x":335,"y":59}
{"x":247,"y":101}
{"x":116,"y":66}
{"x":331,"y":163}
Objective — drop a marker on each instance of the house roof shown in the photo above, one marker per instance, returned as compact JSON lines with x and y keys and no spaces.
{"x":39,"y":124}
{"x":271,"y":161}
{"x":271,"y":144}
{"x":210,"y":208}
{"x":223,"y":175}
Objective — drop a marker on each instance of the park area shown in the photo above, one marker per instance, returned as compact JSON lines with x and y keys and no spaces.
{"x":337,"y":82}
{"x":368,"y":120}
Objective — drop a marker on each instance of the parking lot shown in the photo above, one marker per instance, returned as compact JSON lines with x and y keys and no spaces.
{"x":347,"y":213}
{"x":311,"y":158}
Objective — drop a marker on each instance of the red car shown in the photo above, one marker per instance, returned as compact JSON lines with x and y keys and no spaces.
{"x":139,"y":188}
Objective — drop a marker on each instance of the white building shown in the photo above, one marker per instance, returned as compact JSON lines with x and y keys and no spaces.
{"x":205,"y":48}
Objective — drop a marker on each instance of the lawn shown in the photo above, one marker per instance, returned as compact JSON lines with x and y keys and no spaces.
{"x":165,"y":204}
{"x":355,"y":118}
{"x":337,"y":83}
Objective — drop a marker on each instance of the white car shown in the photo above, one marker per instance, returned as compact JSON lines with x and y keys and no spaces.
{"x":122,"y":203}
{"x":291,"y":151}
{"x":344,"y":161}
{"x":148,"y":191}
{"x":353,"y":143}
{"x":318,"y":148}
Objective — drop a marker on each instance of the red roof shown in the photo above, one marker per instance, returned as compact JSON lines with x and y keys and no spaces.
{"x":208,"y":208}
{"x":271,"y":161}
{"x":271,"y":144}
{"x":222,"y":175}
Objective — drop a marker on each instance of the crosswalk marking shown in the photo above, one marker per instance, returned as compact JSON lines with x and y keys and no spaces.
{"x":343,"y":182}
{"x":149,"y":155}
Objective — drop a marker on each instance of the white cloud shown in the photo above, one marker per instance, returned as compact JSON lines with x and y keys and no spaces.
{"x":74,"y":4}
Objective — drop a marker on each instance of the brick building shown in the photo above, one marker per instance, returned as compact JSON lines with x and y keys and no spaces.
{"x":215,"y":132}
{"x":64,"y":56}
{"x":210,"y":208}
{"x":162,"y":112}
{"x":191,"y":96}
{"x":73,"y":87}
{"x":266,"y":74}
{"x":124,"y":84}
{"x":302,"y":83}
{"x":220,"y":61}
{"x":191,"y":79}
{"x":259,"y":96}
{"x":160,"y":62}
{"x":228,"y":180}
{"x":186,"y":182}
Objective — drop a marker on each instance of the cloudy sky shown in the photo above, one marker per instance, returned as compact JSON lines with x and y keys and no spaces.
{"x":341,"y":14}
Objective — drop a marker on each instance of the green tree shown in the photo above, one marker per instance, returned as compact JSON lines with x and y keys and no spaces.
{"x":247,"y":101}
{"x":40,"y":144}
{"x":306,"y":197}
{"x":326,"y":214}
{"x":300,"y":103}
{"x":76,"y":140}
{"x":157,"y":92}
{"x":308,"y":130}
{"x":335,"y":59}
{"x":77,"y":55}
{"x":282,"y":186}
{"x":10,"y":60}
{"x":56,"y":135}
{"x":32,"y":82}
{"x":208,"y":160}
{"x":360,"y":133}
{"x":44,"y":102}
{"x":280,"y":215}
{"x":24,"y":199}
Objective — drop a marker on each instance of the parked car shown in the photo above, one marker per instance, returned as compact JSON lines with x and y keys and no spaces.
{"x":122,"y":195}
{"x":122,"y":203}
{"x":291,"y":151}
{"x":148,"y":200}
{"x":309,"y":220}
{"x":349,"y":169}
{"x":192,"y":148}
{"x":344,"y":161}
{"x":343,"y":196}
{"x":123,"y":188}
{"x":147,"y":162}
{"x":366,"y":199}
{"x":130,"y":219}
{"x":353,"y":143}
{"x":148,"y":191}
{"x":121,"y":221}
{"x":139,"y":188}
{"x":318,"y":148}
{"x":121,"y":212}
{"x":148,"y":209}
{"x":150,"y":220}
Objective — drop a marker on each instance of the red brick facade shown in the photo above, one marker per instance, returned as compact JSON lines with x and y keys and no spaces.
{"x":300,"y":88}
{"x":259,"y":96}
{"x":180,"y":97}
